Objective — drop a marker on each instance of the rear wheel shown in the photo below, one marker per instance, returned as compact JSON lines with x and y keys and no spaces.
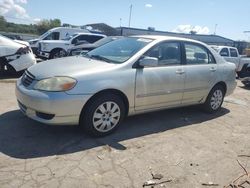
{"x":214,"y":99}
{"x":103,"y":115}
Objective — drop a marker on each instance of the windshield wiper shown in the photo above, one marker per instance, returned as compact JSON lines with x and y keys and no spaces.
{"x":98,"y":57}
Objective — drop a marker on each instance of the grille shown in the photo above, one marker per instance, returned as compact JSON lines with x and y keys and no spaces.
{"x":27,"y":78}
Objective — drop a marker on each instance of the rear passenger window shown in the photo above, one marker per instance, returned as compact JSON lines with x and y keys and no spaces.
{"x":224,"y":52}
{"x":167,"y":53}
{"x":196,"y":55}
{"x":233,"y":52}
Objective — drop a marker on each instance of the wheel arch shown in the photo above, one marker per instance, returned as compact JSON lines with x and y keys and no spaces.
{"x":223,"y":84}
{"x":54,"y":50}
{"x":108,"y":91}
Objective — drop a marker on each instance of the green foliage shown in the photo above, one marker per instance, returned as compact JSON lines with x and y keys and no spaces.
{"x":45,"y":25}
{"x":37,"y":29}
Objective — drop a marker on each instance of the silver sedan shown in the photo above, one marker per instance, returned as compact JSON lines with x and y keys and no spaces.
{"x":128,"y":76}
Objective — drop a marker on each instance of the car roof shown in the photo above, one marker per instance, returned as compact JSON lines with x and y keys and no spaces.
{"x":161,"y":37}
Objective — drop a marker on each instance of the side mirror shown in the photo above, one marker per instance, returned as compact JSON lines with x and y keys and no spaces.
{"x":148,"y":62}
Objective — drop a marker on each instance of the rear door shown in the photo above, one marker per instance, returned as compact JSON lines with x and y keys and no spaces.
{"x":200,"y":71}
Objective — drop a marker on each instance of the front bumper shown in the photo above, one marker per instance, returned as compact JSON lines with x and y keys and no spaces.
{"x":43,"y":54}
{"x":58,"y":108}
{"x":23,"y":61}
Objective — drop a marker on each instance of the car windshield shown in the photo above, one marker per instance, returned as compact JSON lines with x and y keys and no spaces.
{"x":104,"y":41}
{"x":70,"y":37}
{"x":119,"y":51}
{"x":44,"y":34}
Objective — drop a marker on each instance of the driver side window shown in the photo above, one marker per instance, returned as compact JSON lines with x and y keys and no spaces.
{"x":167,"y":53}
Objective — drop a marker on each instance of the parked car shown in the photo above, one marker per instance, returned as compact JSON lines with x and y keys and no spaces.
{"x":13,"y":36}
{"x":127,"y":76}
{"x":57,"y":33}
{"x":51,"y":49}
{"x":84,"y":48}
{"x":15,"y":56}
{"x":246,"y":80}
{"x":231,"y":54}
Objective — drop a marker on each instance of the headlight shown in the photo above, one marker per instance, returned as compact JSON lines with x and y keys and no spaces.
{"x":55,"y":84}
{"x":24,"y":50}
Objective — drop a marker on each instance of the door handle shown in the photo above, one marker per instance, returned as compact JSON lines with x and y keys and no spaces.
{"x":180,"y":71}
{"x":212,"y":69}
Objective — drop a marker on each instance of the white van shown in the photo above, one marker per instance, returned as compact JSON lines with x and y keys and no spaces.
{"x":57,"y":33}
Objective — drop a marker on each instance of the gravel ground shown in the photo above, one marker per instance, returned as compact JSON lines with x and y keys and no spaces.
{"x":186,"y":146}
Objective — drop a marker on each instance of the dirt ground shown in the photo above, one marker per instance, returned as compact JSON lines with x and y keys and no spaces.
{"x":186,"y":146}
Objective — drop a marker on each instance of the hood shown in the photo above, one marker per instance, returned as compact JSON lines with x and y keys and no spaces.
{"x":8,"y":46}
{"x":68,"y":66}
{"x":23,"y":42}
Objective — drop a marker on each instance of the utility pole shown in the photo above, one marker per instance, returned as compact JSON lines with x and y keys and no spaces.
{"x":130,"y":14}
{"x":215,"y":28}
{"x":120,"y":22}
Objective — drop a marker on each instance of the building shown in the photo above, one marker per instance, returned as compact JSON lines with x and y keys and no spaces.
{"x":208,"y":39}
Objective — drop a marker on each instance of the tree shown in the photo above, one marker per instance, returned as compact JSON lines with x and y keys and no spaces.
{"x":2,"y":23}
{"x":45,"y":25}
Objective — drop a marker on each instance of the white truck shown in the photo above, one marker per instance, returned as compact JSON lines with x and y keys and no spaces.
{"x":231,"y":54}
{"x":51,"y":49}
{"x":57,"y":33}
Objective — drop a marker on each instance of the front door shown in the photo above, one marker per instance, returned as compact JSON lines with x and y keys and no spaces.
{"x":160,"y":86}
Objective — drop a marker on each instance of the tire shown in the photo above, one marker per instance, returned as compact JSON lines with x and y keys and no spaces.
{"x":2,"y":66}
{"x":58,"y":53}
{"x":214,"y":99}
{"x":102,"y":115}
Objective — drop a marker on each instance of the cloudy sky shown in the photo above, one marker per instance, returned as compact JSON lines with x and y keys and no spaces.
{"x":227,"y":18}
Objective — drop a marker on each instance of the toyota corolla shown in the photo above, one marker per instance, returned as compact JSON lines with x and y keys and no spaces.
{"x":128,"y":76}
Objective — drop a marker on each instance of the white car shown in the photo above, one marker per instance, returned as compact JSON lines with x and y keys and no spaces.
{"x":51,"y":49}
{"x":15,"y":56}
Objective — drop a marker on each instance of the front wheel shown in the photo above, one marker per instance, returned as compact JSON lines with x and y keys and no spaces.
{"x":103,"y":115}
{"x":58,"y":54}
{"x":214,"y":100}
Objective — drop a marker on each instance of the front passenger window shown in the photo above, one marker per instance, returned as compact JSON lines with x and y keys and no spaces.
{"x":167,"y":53}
